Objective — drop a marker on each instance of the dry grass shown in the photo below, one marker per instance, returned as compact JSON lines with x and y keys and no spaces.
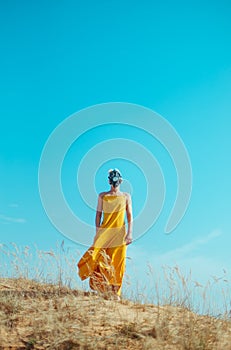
{"x":50,"y":315}
{"x":43,"y":316}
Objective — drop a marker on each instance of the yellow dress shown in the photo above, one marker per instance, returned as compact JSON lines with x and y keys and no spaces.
{"x":104,"y":261}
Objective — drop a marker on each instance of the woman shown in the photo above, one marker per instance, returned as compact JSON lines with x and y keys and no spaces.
{"x":104,"y":261}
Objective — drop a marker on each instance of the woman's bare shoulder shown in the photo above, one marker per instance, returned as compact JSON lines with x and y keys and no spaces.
{"x":101,"y":194}
{"x":127,"y":195}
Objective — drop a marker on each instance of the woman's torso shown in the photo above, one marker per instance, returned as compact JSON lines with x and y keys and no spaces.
{"x":114,"y":207}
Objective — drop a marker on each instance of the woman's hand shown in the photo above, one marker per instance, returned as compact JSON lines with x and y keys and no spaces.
{"x":128,"y":239}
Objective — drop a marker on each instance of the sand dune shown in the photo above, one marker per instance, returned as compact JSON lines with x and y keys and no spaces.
{"x":43,"y":316}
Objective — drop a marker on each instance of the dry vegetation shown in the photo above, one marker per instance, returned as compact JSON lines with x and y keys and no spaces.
{"x":42,"y":316}
{"x":36,"y":315}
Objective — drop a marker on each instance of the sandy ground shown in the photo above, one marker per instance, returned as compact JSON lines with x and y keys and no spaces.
{"x":36,"y":316}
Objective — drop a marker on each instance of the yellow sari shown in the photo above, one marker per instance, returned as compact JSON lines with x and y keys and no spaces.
{"x":104,"y":261}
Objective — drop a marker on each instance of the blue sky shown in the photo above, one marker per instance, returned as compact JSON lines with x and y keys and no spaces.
{"x":172,"y":57}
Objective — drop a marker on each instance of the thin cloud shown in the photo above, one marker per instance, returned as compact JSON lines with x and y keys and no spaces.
{"x":8,"y":219}
{"x":188,"y":248}
{"x":13,"y":205}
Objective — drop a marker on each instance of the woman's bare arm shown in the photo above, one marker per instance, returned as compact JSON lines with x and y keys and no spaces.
{"x":128,"y":238}
{"x":98,"y":215}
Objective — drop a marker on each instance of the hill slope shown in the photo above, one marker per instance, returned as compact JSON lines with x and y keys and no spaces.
{"x":42,"y":316}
